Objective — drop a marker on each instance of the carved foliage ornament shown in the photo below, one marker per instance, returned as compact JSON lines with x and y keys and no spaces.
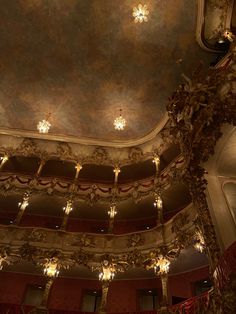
{"x":84,"y":240}
{"x":64,"y":150}
{"x":46,"y":258}
{"x":219,"y":4}
{"x":197,"y":110}
{"x":108,"y":266}
{"x":183,"y":237}
{"x":4,"y":256}
{"x":135,"y":240}
{"x":100,"y":155}
{"x":135,"y":154}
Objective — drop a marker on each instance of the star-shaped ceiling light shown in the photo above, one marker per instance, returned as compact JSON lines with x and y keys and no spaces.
{"x":140,"y":13}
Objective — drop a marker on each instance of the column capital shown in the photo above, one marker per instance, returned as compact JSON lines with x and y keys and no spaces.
{"x":116,"y":171}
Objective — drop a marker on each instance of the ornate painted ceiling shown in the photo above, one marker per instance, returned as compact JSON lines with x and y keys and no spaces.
{"x":82,"y":61}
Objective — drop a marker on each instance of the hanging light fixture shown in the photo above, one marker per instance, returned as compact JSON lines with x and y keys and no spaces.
{"x":44,"y":125}
{"x":119,"y":122}
{"x":140,"y":13}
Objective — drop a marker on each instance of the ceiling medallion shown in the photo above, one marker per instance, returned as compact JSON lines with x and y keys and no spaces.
{"x":119,"y":122}
{"x":140,"y":13}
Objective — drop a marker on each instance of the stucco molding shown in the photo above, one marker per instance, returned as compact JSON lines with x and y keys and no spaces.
{"x":92,"y":193}
{"x":218,"y":11}
{"x":89,"y":141}
{"x":24,"y":242}
{"x":84,"y":154}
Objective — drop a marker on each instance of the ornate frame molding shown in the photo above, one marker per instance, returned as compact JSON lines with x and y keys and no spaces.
{"x":89,"y":141}
{"x":92,"y":193}
{"x":24,"y":243}
{"x":225,"y":10}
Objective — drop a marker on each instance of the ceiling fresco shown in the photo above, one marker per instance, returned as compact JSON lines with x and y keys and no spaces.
{"x":82,"y":61}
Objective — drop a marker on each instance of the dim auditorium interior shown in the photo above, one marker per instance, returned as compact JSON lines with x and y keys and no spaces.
{"x":118,"y":156}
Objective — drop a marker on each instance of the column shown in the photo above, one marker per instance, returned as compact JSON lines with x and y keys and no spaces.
{"x":22,"y":207}
{"x":47,"y":292}
{"x":64,"y":222}
{"x":160,"y":216}
{"x":67,"y":209}
{"x":156,"y":161}
{"x":42,"y":163}
{"x":111,"y":225}
{"x":4,"y":159}
{"x":78,"y":167}
{"x":164,"y":284}
{"x":159,"y":206}
{"x":112,"y":212}
{"x":103,"y":307}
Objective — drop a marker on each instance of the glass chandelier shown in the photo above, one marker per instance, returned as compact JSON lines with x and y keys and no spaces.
{"x":43,"y":126}
{"x":140,"y":13}
{"x":119,"y":122}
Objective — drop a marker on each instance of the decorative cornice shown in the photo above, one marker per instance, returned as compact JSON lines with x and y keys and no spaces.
{"x":78,"y":153}
{"x":88,"y":141}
